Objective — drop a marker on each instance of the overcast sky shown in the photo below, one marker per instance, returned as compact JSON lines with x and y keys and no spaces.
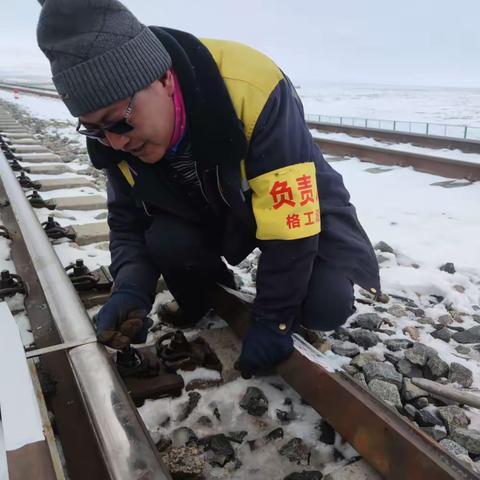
{"x":403,"y":42}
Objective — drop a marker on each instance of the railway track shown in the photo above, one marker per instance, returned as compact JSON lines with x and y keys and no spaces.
{"x":94,"y":414}
{"x":423,"y":162}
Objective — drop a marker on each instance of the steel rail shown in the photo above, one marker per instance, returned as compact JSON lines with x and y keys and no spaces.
{"x":33,"y":90}
{"x":382,"y":135}
{"x":443,"y":167}
{"x":125,"y":445}
{"x":389,"y":443}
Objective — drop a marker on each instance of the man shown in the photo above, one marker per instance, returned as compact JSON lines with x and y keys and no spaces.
{"x":207,"y":155}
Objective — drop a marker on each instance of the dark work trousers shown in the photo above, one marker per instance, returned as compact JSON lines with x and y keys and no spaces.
{"x":189,"y":257}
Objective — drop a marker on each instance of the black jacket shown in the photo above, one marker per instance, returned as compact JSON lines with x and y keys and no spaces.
{"x":280,"y":140}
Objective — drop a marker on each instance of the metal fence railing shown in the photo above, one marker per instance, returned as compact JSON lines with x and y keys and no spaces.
{"x":421,"y":128}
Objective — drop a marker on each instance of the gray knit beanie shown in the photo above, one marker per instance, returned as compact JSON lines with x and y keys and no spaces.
{"x":99,"y":52}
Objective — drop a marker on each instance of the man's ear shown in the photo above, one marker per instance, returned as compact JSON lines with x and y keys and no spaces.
{"x":168,"y":82}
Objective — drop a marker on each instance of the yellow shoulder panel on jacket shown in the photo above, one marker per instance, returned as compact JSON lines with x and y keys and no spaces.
{"x":125,"y":169}
{"x":250,"y":77}
{"x":285,"y":203}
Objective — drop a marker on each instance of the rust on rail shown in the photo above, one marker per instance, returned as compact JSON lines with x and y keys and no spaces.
{"x":423,"y":163}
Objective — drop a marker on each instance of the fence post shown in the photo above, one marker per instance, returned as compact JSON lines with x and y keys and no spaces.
{"x":465,"y":132}
{"x":394,"y":125}
{"x":428,"y":129}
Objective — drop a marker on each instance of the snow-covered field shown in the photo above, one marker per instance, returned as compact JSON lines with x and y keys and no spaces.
{"x":460,"y":106}
{"x":427,"y":220}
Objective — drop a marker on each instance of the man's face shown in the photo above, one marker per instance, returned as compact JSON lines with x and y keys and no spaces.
{"x":152,"y":120}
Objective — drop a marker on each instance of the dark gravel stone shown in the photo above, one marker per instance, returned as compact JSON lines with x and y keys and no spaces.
{"x":189,"y":407}
{"x":418,"y":312}
{"x":205,"y":421}
{"x":453,"y":417}
{"x":219,"y":450}
{"x":420,"y":402}
{"x":460,"y":374}
{"x":428,"y":418}
{"x":216,"y":413}
{"x":341,"y":333}
{"x":472,"y":335}
{"x":397,"y":344}
{"x":382,"y":371}
{"x":184,"y":462}
{"x":397,"y":311}
{"x":261,"y":442}
{"x":254,"y":402}
{"x":163,"y":444}
{"x":364,"y":338}
{"x":410,"y":411}
{"x":327,"y":433}
{"x":435,"y":368}
{"x":457,"y":329}
{"x":453,"y":447}
{"x":392,"y":358}
{"x":448,"y":267}
{"x":284,"y":416}
{"x":350,"y":369}
{"x":419,"y":354}
{"x":369,"y":321}
{"x":384,"y":247}
{"x":237,"y":437}
{"x":445,"y":320}
{"x":409,"y":369}
{"x":443,"y":334}
{"x":385,"y":391}
{"x":425,"y":321}
{"x":469,"y":439}
{"x":346,"y":349}
{"x":435,"y":433}
{"x":410,"y":391}
{"x":274,"y":434}
{"x":362,"y":359}
{"x":296,"y":451}
{"x":305,"y":475}
{"x":462,"y":349}
{"x":360,"y":378}
{"x":476,"y":318}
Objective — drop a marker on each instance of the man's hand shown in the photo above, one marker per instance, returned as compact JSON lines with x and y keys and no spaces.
{"x":264,"y":347}
{"x":123,"y":320}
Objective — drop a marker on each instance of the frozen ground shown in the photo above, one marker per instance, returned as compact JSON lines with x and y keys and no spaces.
{"x":441,"y":105}
{"x":41,"y":107}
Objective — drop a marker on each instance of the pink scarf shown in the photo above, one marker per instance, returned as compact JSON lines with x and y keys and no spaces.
{"x":180,"y":116}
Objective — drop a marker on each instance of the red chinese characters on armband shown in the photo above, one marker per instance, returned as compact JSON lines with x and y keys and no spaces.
{"x":285,"y":202}
{"x":283,"y":196}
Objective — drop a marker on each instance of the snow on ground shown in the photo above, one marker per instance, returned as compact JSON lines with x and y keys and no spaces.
{"x":401,"y":147}
{"x":40,"y":107}
{"x":434,"y":104}
{"x":21,"y":418}
{"x":3,"y":456}
{"x":428,"y":224}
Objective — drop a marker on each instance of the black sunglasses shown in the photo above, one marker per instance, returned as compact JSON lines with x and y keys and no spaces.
{"x":120,"y":128}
